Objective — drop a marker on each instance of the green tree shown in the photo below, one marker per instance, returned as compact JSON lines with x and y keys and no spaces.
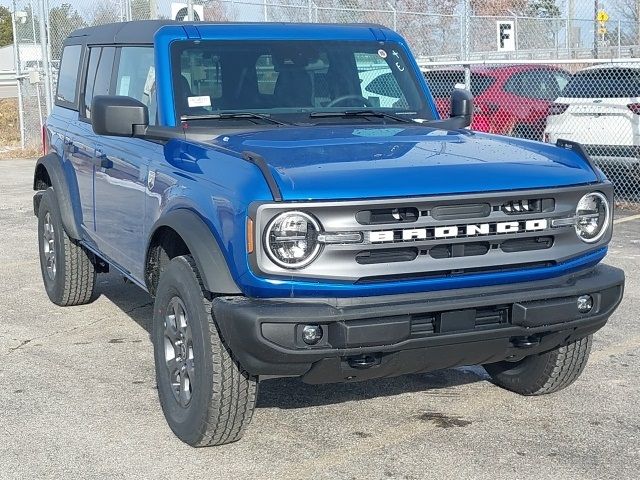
{"x":6,"y":30}
{"x":62,"y":21}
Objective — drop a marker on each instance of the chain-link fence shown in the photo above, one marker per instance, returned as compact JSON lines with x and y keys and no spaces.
{"x":594,"y":103}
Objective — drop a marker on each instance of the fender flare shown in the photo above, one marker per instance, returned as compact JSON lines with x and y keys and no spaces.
{"x":204,"y":248}
{"x":53,"y":165}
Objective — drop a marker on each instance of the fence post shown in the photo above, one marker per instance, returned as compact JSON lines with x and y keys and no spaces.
{"x":264,"y":10}
{"x":16,"y":62}
{"x":44,"y":43}
{"x":153,"y":10}
{"x":190,"y":10}
{"x":466,"y":30}
{"x":309,"y":11}
{"x":619,"y":39}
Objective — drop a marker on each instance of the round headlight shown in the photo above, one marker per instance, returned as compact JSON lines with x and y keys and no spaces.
{"x":291,"y":239}
{"x":592,"y":217}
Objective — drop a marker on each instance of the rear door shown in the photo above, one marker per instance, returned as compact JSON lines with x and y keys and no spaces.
{"x":122,"y":175}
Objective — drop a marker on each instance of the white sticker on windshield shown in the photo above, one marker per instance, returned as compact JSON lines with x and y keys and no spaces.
{"x":202,"y":101}
{"x":382,"y":53}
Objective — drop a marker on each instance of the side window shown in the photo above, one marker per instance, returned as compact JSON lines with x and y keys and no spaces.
{"x":137,"y":77}
{"x":68,"y":75}
{"x":94,"y":56}
{"x":516,"y":84}
{"x":99,"y":72}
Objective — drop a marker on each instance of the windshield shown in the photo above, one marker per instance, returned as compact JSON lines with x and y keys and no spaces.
{"x":604,"y":83}
{"x":292,"y":80}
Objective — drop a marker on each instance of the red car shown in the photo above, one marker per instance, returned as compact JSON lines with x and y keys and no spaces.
{"x":510,"y":100}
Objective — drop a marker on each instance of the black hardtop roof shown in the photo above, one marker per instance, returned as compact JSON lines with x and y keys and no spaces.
{"x":142,"y":31}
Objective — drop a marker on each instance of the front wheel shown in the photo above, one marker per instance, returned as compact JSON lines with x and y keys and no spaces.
{"x":68,"y":271}
{"x":544,"y":373}
{"x":206,"y":396}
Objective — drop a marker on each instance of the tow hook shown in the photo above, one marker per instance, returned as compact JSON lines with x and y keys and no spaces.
{"x":525,"y":342}
{"x":363,"y":361}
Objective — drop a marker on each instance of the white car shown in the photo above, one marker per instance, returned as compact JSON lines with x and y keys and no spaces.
{"x":600,"y":108}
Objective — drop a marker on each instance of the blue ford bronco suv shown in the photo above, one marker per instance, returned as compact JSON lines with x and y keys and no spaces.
{"x":290,"y":198}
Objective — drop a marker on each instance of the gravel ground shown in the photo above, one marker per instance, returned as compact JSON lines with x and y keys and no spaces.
{"x":79,"y":398}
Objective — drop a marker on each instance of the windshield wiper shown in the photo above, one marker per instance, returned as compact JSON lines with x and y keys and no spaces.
{"x":232,"y":115}
{"x":360,"y":113}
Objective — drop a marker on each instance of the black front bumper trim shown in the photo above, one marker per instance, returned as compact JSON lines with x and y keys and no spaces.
{"x":406,"y":333}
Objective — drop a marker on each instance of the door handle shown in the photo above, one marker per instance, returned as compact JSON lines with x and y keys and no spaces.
{"x":102,"y":161}
{"x":69,"y":147}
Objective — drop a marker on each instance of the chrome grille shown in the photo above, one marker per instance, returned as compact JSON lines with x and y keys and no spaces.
{"x":429,"y":255}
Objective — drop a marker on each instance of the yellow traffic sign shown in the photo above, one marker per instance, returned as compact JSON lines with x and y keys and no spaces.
{"x":602,"y":30}
{"x":602,"y":16}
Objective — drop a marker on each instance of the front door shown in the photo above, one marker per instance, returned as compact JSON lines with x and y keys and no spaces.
{"x":122,"y":175}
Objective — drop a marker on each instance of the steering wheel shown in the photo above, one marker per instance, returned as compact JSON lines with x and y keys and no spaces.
{"x":339,"y":100}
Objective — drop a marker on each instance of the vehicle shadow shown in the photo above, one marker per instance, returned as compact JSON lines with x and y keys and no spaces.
{"x":292,"y":393}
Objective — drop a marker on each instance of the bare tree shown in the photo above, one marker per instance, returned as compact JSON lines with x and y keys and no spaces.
{"x":629,"y":13}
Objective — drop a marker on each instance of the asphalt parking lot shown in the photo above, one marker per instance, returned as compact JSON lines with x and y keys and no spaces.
{"x":78,"y":396}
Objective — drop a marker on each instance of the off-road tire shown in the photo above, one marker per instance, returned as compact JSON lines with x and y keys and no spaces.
{"x":222,"y":395}
{"x":74,"y":277}
{"x":544,"y":373}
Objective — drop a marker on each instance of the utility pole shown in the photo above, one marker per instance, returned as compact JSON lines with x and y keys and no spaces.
{"x":595,"y":29}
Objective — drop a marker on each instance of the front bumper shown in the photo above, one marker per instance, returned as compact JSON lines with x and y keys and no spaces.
{"x":369,"y":337}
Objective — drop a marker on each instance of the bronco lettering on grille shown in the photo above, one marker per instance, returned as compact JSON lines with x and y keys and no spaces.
{"x":454,"y":231}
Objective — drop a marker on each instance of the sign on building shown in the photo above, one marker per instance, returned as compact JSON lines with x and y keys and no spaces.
{"x":506,"y":36}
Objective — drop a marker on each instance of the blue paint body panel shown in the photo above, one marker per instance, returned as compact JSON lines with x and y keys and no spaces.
{"x":332,"y":162}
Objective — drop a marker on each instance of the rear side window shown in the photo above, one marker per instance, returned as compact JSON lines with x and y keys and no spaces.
{"x":68,"y":76}
{"x":137,"y":77}
{"x":604,"y":83}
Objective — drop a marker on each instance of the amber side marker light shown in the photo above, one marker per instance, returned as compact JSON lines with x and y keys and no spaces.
{"x":250,"y":235}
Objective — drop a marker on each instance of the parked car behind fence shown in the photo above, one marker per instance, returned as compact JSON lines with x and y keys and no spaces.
{"x":510,"y":99}
{"x":600,"y":108}
{"x":597,"y":104}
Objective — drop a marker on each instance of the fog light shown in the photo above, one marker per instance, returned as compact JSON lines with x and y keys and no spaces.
{"x":585,"y":303}
{"x":311,"y":334}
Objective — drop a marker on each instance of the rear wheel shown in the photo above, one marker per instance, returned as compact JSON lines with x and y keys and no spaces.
{"x":545,"y":373}
{"x":206,"y":396}
{"x":68,"y":271}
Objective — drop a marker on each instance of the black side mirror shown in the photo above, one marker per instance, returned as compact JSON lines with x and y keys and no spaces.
{"x":462,"y":106}
{"x":119,"y":116}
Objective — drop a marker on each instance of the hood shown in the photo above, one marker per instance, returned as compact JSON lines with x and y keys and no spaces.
{"x":353,"y":162}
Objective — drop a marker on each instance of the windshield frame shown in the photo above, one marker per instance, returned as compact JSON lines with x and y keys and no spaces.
{"x":301,"y":115}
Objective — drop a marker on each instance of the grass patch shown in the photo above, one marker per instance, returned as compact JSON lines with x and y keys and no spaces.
{"x":9,"y":122}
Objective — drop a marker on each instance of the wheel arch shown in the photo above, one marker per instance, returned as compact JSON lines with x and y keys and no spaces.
{"x":48,"y":173}
{"x":183,"y":232}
